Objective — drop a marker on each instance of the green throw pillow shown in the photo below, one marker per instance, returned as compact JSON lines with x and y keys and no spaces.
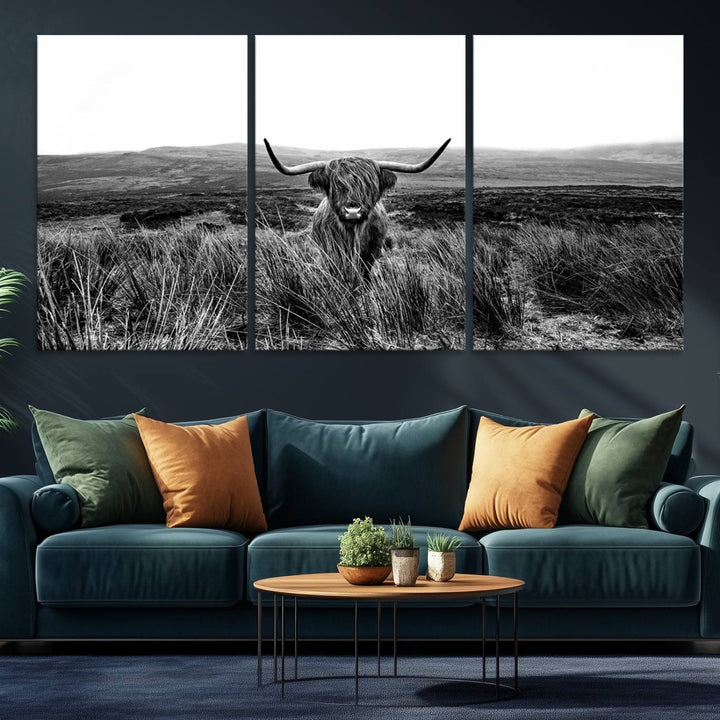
{"x":618,"y":469}
{"x":105,"y":462}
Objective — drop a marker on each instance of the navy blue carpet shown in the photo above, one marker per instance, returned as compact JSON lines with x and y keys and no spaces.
{"x":220,"y":687}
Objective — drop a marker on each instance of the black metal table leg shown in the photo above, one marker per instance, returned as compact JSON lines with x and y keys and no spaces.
{"x":378,"y":634}
{"x":484,"y":655}
{"x":282,"y":646}
{"x":515,"y":632}
{"x":259,"y":640}
{"x":274,"y":637}
{"x":497,"y":646}
{"x":295,"y":636}
{"x":395,"y":637}
{"x":357,"y":663}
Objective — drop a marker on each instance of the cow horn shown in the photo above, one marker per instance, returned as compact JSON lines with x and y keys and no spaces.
{"x":295,"y":169}
{"x":408,"y":168}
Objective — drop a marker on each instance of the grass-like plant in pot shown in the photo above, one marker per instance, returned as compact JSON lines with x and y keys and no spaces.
{"x":11,"y":284}
{"x":441,"y":556}
{"x":364,"y":553}
{"x":405,"y":554}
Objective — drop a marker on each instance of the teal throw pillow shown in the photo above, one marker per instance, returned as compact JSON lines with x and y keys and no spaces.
{"x":618,"y":469}
{"x":105,"y":462}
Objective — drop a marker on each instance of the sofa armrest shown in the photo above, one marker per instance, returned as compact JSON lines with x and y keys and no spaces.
{"x":708,"y":487}
{"x":18,"y":540}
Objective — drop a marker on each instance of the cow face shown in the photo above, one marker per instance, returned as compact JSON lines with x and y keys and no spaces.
{"x":353,"y":187}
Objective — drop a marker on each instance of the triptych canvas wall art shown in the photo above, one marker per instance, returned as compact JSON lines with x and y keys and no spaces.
{"x":364,"y":254}
{"x":142,"y":192}
{"x":578,"y":192}
{"x":359,"y":234}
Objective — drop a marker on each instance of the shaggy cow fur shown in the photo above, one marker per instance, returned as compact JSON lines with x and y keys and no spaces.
{"x":351,"y":221}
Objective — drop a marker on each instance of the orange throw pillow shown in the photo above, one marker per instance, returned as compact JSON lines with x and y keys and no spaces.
{"x":205,"y":474}
{"x":520,"y":473}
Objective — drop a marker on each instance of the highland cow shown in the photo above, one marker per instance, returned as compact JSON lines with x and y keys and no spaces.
{"x":351,"y":222}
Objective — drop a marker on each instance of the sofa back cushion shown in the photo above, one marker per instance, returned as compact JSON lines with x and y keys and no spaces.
{"x":327,"y":473}
{"x":677,"y":466}
{"x":680,"y":455}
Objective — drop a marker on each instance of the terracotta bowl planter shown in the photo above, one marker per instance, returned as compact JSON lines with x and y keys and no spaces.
{"x":370,"y":575}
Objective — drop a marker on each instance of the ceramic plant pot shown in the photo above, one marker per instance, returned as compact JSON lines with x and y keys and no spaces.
{"x":441,"y":565}
{"x":405,"y":563}
{"x":368,"y":575}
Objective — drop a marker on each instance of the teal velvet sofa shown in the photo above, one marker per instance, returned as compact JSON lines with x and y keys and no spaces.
{"x":59,"y":581}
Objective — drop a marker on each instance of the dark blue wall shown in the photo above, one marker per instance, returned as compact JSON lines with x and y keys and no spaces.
{"x":536,"y":385}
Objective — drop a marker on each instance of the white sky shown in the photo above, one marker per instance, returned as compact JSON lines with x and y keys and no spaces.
{"x":100,"y":93}
{"x":103,"y":92}
{"x":539,"y":91}
{"x":345,"y":92}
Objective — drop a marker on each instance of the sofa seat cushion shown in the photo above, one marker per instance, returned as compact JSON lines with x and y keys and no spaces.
{"x":596,"y":566}
{"x":141,"y":566}
{"x":315,"y":549}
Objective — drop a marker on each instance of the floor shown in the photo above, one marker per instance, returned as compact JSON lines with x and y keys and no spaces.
{"x":528,"y":648}
{"x":218,"y":681}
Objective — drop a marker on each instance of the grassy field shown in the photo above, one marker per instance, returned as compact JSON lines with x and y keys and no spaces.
{"x":576,"y":249}
{"x":103,"y":285}
{"x":578,"y":268}
{"x":143,"y":250}
{"x":414,"y":300}
{"x":415,"y":297}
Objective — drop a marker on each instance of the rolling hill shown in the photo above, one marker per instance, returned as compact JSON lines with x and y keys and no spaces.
{"x":223,"y":168}
{"x":208,"y":169}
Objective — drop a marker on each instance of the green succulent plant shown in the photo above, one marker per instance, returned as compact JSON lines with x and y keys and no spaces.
{"x":402,"y":537}
{"x":364,"y":544}
{"x":438,"y":542}
{"x":11,"y":284}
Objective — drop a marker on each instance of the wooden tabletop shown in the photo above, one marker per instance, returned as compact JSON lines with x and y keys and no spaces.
{"x":332,"y":585}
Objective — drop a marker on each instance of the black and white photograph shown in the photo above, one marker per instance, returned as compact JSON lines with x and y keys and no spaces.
{"x":360,"y":184}
{"x":578,"y":192}
{"x":142,"y":192}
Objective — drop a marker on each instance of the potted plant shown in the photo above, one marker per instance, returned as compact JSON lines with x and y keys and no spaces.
{"x":405,"y":555}
{"x":11,"y":283}
{"x":441,"y":556}
{"x":364,"y":553}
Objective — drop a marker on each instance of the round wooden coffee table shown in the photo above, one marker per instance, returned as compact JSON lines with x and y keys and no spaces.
{"x":324,"y":586}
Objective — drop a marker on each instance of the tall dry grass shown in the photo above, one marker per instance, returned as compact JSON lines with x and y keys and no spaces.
{"x":499,"y":288}
{"x":628,"y":274}
{"x":310,"y":299}
{"x":177,"y":288}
